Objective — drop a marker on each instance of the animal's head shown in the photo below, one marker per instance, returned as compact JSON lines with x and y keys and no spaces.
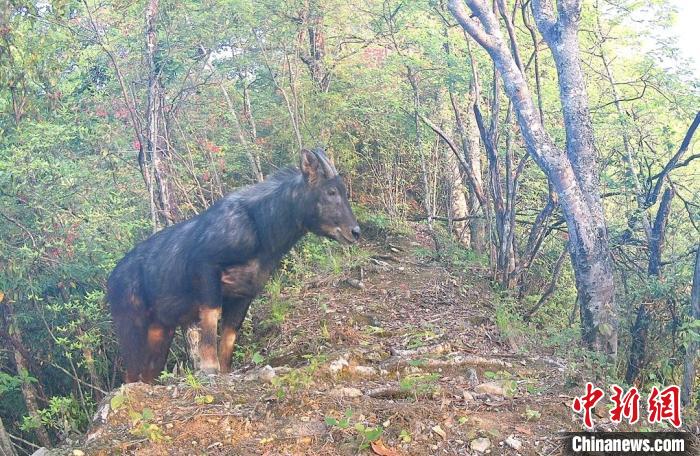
{"x":328,"y":210}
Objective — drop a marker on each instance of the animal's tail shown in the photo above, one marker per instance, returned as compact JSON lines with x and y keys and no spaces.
{"x":130,"y":316}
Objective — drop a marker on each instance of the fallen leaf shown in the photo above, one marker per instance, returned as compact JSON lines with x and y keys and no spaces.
{"x":438,"y":430}
{"x":379,"y":448}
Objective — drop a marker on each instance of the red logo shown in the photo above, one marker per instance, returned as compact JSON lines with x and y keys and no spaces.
{"x":626,"y":405}
{"x":661,"y":405}
{"x":665,"y":405}
{"x":587,"y":402}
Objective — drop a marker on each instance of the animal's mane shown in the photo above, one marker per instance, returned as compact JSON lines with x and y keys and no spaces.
{"x":280,"y":181}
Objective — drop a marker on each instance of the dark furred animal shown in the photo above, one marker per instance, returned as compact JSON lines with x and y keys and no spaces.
{"x":214,"y":264}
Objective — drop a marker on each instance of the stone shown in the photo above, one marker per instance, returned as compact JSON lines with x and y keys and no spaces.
{"x":492,"y":388}
{"x":481,"y":444}
{"x":514,"y":443}
{"x":337,"y":366}
{"x":346,"y":392}
{"x":266,"y":374}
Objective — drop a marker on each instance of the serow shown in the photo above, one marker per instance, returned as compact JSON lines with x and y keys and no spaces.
{"x":211,"y":266}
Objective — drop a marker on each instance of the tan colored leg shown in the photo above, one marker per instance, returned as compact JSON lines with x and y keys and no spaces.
{"x":209,"y":320}
{"x":226,"y":345}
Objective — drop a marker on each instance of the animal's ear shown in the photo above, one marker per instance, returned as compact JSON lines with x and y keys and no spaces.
{"x":311,"y":167}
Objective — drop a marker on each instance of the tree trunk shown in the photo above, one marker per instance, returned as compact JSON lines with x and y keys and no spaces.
{"x":6,"y":448}
{"x":154,"y":161}
{"x":689,"y":372}
{"x":573,"y":173}
{"x":429,"y":209}
{"x":458,"y":204}
{"x":658,"y":232}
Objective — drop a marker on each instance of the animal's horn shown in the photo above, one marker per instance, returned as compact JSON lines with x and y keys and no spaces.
{"x":328,"y":167}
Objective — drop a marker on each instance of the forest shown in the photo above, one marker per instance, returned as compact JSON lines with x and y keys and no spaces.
{"x":538,"y":159}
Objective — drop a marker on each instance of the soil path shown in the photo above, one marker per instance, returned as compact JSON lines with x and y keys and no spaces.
{"x":409,"y":358}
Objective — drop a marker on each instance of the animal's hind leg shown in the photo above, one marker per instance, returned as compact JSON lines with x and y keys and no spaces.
{"x":234,"y":312}
{"x":158,"y":343}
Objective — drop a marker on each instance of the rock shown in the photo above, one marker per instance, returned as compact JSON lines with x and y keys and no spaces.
{"x":492,"y":388}
{"x":102,"y":413}
{"x":266,"y":374}
{"x":514,"y":443}
{"x":346,"y":392}
{"x":78,"y":453}
{"x":363,"y":371}
{"x":481,"y":444}
{"x":473,"y":377}
{"x":337,"y":366}
{"x":356,"y":284}
{"x":467,"y":396}
{"x":43,"y":451}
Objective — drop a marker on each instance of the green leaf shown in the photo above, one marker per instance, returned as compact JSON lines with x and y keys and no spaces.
{"x":117,"y":401}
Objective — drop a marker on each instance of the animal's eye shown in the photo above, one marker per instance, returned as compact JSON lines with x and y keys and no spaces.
{"x":332,"y":192}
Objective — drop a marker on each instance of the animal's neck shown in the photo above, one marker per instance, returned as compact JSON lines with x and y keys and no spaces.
{"x":279,"y":219}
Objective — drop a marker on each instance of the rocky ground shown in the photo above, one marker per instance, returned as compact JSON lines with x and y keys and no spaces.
{"x":398,"y":357}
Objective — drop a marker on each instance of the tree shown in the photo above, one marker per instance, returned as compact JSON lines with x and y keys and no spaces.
{"x":573,"y":171}
{"x":6,"y":448}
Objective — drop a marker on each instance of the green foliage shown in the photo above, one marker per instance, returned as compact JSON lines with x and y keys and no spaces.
{"x":73,"y":199}
{"x":298,"y":379}
{"x":365,"y":434}
{"x":419,"y":384}
{"x":343,"y":423}
{"x":143,"y":426}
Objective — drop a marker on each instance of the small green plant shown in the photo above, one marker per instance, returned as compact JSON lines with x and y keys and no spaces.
{"x":405,"y":436}
{"x":342,"y":423}
{"x":192,"y":381}
{"x":166,"y":376}
{"x":367,"y":435}
{"x":63,"y":414}
{"x":500,"y":375}
{"x":143,"y":426}
{"x":298,"y":378}
{"x":257,"y":358}
{"x":532,"y":415}
{"x":419,"y":384}
{"x":203,"y":399}
{"x":419,"y":339}
{"x":278,"y":312}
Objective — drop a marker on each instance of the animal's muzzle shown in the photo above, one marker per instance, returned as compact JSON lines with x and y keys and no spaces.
{"x":356,"y":232}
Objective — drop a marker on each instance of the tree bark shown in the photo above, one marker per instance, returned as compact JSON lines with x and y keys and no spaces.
{"x":155,"y":160}
{"x":6,"y":447}
{"x":574,"y":172}
{"x":458,"y":204}
{"x":658,"y":232}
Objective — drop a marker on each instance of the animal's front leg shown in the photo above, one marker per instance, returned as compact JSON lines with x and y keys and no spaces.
{"x":233,"y":316}
{"x":209,"y":319}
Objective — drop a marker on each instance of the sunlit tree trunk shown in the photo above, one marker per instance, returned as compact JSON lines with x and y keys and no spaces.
{"x":458,"y":203}
{"x":573,"y":172}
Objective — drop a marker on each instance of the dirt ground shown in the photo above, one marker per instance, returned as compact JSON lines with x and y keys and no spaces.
{"x":408,"y":361}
